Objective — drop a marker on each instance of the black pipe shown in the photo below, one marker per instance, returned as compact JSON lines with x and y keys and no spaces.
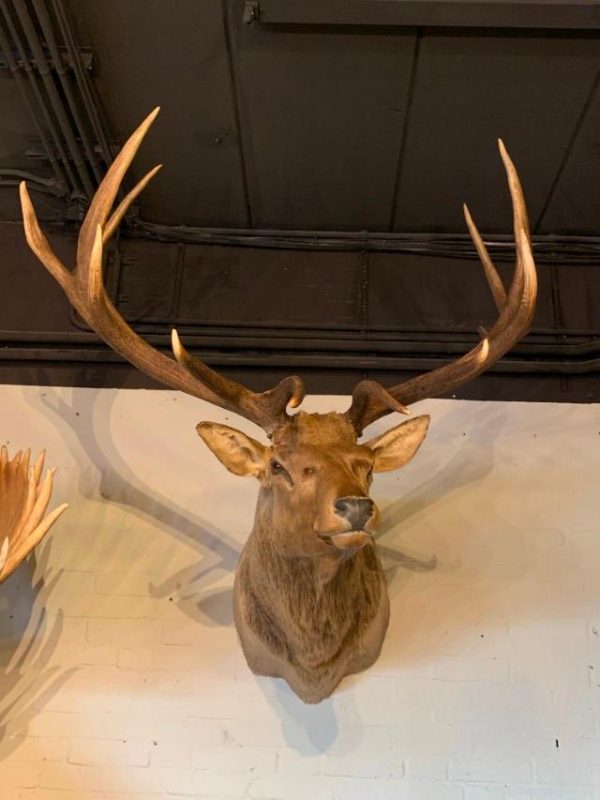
{"x":57,"y":62}
{"x":22,"y":85}
{"x":534,"y":345}
{"x":13,"y":177}
{"x":36,"y":187}
{"x":82,"y":81}
{"x":286,"y":340}
{"x":316,"y":360}
{"x":548,"y":249}
{"x":531,"y":353}
{"x":53,"y":96}
{"x":69,"y":179}
{"x":499,"y":240}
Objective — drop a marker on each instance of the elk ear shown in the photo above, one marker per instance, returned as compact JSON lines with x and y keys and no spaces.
{"x":238,"y":452}
{"x":395,"y":448}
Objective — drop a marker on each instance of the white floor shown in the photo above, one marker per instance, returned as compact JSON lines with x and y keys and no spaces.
{"x":121,"y":676}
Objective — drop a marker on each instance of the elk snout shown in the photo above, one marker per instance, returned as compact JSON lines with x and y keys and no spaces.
{"x":357,"y":511}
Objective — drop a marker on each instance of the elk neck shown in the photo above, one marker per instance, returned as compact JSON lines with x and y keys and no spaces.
{"x":313,"y":606}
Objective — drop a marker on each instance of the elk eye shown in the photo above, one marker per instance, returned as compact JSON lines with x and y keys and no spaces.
{"x":276,"y":467}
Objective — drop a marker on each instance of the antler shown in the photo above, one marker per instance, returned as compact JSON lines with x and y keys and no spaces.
{"x":24,"y":498}
{"x":85,"y":289}
{"x":370,"y":400}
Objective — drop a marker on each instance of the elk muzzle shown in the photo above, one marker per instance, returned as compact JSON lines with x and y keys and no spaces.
{"x":357,"y":512}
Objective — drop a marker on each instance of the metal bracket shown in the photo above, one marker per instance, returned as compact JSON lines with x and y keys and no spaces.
{"x":251,"y":12}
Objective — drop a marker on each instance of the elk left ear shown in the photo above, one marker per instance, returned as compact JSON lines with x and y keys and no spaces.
{"x":395,"y":448}
{"x":241,"y":454}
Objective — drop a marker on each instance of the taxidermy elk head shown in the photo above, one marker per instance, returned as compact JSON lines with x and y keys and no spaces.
{"x":310,"y":600}
{"x":24,"y":498}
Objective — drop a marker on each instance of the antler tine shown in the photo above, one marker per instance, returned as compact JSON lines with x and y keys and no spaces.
{"x":517,"y":315}
{"x":116,"y":217}
{"x":268,"y":407}
{"x":39,"y":244}
{"x":491,"y":273}
{"x":39,"y":466}
{"x":516,"y":309}
{"x":24,"y":503}
{"x":85,"y":289}
{"x":509,"y":304}
{"x":4,"y":553}
{"x":107,"y":191}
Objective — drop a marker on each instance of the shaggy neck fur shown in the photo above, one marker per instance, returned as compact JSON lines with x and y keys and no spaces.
{"x":308,"y":610}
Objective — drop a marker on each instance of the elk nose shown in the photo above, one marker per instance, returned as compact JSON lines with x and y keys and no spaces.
{"x":355,"y":510}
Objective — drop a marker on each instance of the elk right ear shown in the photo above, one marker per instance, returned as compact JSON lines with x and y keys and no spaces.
{"x":241,"y":454}
{"x":394,"y":448}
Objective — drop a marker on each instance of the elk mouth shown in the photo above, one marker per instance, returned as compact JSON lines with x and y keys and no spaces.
{"x":347,"y":540}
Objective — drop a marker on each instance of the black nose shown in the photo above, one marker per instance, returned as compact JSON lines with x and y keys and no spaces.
{"x":355,"y":510}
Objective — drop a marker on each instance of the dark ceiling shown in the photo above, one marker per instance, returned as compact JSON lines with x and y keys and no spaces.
{"x":317,"y":155}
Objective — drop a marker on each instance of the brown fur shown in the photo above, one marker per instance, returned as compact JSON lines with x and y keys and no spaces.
{"x":310,"y":608}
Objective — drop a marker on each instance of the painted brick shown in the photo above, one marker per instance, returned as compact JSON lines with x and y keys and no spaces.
{"x":206,"y":783}
{"x":123,"y":632}
{"x":235,"y":759}
{"x":491,"y":670}
{"x":422,"y":789}
{"x":485,"y":793}
{"x":568,"y":771}
{"x":316,"y":788}
{"x":121,"y":676}
{"x":33,"y":750}
{"x":113,"y":752}
{"x":490,"y":770}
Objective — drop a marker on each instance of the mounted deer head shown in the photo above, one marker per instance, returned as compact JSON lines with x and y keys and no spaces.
{"x":24,"y":498}
{"x":310,"y":600}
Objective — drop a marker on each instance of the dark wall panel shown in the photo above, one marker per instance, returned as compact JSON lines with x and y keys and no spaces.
{"x":331,"y":126}
{"x":30,"y":299}
{"x":20,"y":149}
{"x":154,"y":52}
{"x":469,"y":90}
{"x":579,"y":292}
{"x":277,"y":287}
{"x":416,"y":293}
{"x":575,"y":205}
{"x":147,"y":285}
{"x":323,"y":116}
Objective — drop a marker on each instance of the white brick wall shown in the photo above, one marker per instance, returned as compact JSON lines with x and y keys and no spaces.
{"x":120,"y":673}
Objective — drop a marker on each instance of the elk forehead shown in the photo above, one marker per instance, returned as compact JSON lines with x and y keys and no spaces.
{"x":314,"y":430}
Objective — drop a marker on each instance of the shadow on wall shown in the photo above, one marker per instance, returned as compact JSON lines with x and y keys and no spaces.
{"x":472,"y":461}
{"x":28,"y":639}
{"x":85,"y":429}
{"x":505,"y":555}
{"x":308,"y":729}
{"x":426,"y":616}
{"x":439,"y":590}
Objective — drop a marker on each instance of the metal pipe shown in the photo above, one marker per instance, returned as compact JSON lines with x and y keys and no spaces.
{"x":47,"y":30}
{"x":286,"y":361}
{"x":13,"y":177}
{"x":408,"y":349}
{"x":55,"y":101}
{"x":4,"y":184}
{"x":499,"y":240}
{"x":82,"y":81}
{"x":70,"y":180}
{"x":59,"y":174}
{"x":548,"y":249}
